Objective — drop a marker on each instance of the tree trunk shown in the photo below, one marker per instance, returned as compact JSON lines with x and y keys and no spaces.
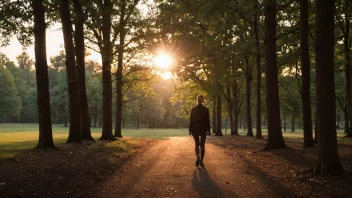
{"x":119,"y":71}
{"x":80,"y":58}
{"x":348,"y":72}
{"x":293,"y":124}
{"x":328,"y":158}
{"x":72,"y":82}
{"x":259,"y":76}
{"x":214,"y":115}
{"x":305,"y":67}
{"x":275,"y":138}
{"x":106,"y":73}
{"x":218,"y":116}
{"x":235,"y":109}
{"x":345,"y":113}
{"x":316,"y":132}
{"x":285,"y":122}
{"x":248,"y":97}
{"x":230,"y":106}
{"x":41,"y":70}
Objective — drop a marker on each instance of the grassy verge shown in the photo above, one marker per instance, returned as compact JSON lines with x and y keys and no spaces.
{"x":15,"y":138}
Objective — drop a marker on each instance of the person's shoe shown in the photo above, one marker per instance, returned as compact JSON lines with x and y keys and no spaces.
{"x":198,"y":161}
{"x":201,"y":163}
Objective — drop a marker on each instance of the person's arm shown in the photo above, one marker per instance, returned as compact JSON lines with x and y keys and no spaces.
{"x":190,"y":124}
{"x":208,"y":123}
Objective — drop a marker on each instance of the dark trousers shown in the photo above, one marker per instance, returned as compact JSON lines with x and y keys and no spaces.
{"x":200,"y":143}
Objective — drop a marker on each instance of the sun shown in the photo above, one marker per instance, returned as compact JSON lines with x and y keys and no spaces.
{"x":163,"y":61}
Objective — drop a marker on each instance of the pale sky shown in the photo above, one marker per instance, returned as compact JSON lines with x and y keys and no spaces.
{"x":54,"y":43}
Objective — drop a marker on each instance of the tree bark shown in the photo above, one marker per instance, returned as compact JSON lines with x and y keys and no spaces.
{"x":305,"y":67}
{"x":80,"y":58}
{"x":218,"y":116}
{"x":72,"y":82}
{"x":214,"y":115}
{"x":41,"y":70}
{"x":293,"y":124}
{"x":119,"y":71}
{"x":275,"y":138}
{"x":248,"y":97}
{"x":348,"y":72}
{"x":345,"y":113}
{"x":328,"y":159}
{"x":316,"y":132}
{"x":285,"y":122}
{"x":235,"y":109}
{"x":106,"y":73}
{"x":259,"y":76}
{"x":229,"y":106}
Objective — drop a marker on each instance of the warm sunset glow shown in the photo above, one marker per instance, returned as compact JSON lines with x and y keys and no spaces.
{"x":166,"y":75}
{"x":163,"y":61}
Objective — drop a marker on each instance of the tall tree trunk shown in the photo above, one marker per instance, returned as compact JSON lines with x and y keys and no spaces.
{"x":345,"y":113}
{"x":316,"y":132}
{"x":230,"y":106}
{"x":328,"y":158}
{"x":275,"y":138}
{"x":72,"y":82}
{"x":305,"y":67}
{"x":235,"y":109}
{"x":248,"y":97}
{"x":285,"y":122}
{"x":41,"y":70}
{"x":293,"y":124}
{"x":348,"y":72}
{"x":259,"y":76}
{"x":214,"y":115}
{"x":119,"y":71}
{"x":218,"y":116}
{"x":106,"y":73}
{"x":80,"y":58}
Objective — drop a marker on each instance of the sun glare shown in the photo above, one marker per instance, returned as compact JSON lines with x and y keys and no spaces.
{"x":166,"y":75}
{"x":163,"y":61}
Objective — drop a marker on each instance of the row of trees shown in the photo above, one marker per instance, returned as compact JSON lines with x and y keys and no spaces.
{"x":221,"y":45}
{"x":18,"y":101}
{"x":118,"y":30}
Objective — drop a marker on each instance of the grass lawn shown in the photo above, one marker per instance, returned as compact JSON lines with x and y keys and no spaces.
{"x":17,"y":137}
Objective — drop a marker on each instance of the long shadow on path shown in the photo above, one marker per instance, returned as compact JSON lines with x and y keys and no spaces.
{"x":204,"y":185}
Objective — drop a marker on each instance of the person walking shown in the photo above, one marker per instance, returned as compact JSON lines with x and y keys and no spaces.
{"x":199,"y":127}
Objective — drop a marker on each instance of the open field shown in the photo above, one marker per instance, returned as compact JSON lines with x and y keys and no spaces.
{"x":17,"y":137}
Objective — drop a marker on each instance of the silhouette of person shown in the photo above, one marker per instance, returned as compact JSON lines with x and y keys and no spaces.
{"x":199,"y":127}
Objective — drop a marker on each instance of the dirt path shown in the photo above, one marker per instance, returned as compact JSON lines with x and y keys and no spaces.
{"x":167,"y":169}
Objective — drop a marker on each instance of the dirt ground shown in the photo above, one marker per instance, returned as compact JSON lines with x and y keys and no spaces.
{"x":166,"y":168}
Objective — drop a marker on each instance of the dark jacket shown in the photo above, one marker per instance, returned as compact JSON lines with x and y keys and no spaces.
{"x":199,"y":120}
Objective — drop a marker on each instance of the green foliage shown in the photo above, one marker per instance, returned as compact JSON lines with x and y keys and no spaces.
{"x":9,"y":100}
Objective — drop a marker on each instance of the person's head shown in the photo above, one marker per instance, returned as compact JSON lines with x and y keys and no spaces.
{"x":200,"y":99}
